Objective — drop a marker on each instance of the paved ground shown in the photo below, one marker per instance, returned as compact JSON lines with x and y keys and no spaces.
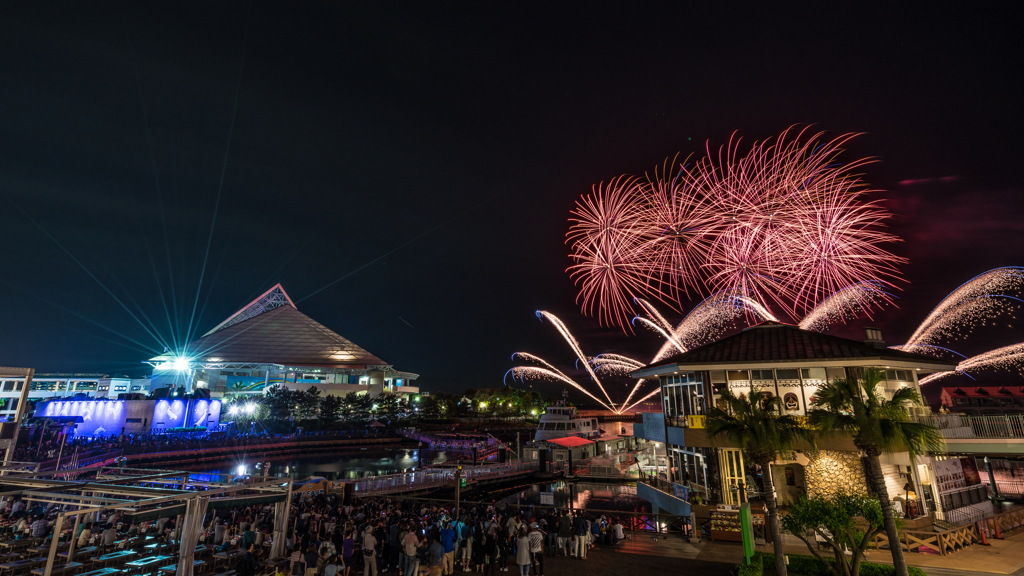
{"x":640,"y":556}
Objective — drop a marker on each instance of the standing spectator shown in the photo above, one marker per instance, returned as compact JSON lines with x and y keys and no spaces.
{"x":297,"y":564}
{"x":247,"y":564}
{"x":523,"y":552}
{"x":580,"y":528}
{"x":348,"y":546}
{"x":437,"y":557}
{"x":369,"y":546}
{"x":564,"y":533}
{"x":311,"y":558}
{"x":448,"y":542}
{"x":552,"y":530}
{"x":536,"y":538}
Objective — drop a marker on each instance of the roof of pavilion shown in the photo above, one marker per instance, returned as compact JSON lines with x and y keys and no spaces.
{"x":270,"y":330}
{"x":776,"y":343}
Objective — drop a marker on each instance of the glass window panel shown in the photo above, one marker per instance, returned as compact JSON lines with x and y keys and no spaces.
{"x":787,"y":374}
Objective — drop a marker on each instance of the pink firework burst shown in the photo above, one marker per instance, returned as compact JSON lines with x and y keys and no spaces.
{"x":607,"y":233}
{"x":785,"y":222}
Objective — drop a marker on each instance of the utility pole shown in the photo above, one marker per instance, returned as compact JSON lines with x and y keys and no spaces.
{"x":458,"y":491}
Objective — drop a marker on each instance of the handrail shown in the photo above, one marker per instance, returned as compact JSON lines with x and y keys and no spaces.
{"x":965,"y":426}
{"x":964,"y":516}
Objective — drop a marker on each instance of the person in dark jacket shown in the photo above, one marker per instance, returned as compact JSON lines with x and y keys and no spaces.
{"x":564,"y":533}
{"x":580,"y":532}
{"x":247,"y":564}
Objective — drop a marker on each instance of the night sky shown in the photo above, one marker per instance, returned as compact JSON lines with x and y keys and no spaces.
{"x":426,"y":156}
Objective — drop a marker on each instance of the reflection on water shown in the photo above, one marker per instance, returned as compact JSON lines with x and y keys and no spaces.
{"x":347,"y":466}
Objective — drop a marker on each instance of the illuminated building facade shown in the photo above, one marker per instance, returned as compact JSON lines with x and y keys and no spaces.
{"x":270,"y":342}
{"x":773,"y":360}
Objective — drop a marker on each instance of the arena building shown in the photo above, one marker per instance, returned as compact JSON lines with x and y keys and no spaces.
{"x":270,"y":342}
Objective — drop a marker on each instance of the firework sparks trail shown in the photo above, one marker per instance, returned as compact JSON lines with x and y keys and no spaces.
{"x":1005,"y":358}
{"x":707,"y":321}
{"x":975,"y":302}
{"x":640,"y":401}
{"x":786,"y":221}
{"x":845,"y":305}
{"x":703,"y":324}
{"x":549,"y":373}
{"x":615,"y":364}
{"x":571,"y":340}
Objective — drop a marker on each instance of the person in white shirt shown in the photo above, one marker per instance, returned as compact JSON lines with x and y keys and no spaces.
{"x":369,"y":553}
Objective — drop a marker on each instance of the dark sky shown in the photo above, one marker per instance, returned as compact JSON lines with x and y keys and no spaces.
{"x":359,"y":130}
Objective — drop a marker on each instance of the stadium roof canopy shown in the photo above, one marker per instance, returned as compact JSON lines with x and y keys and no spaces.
{"x":271,"y":331}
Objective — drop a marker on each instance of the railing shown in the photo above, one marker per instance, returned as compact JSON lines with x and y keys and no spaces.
{"x":1006,"y":487}
{"x":427,"y":478}
{"x":964,"y":516}
{"x":964,"y":497}
{"x":963,"y":426}
{"x":631,"y":521}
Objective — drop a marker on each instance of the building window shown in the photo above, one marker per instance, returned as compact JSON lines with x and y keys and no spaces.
{"x":738,"y":375}
{"x":762,"y":375}
{"x":898,"y":375}
{"x":813,"y":373}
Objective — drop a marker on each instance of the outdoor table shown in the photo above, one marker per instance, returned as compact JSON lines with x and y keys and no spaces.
{"x":19,"y":564}
{"x":114,"y":556}
{"x":45,"y":548}
{"x":101,"y":572}
{"x":174,"y":567}
{"x":148,"y":561}
{"x":226,"y":556}
{"x":15,"y":544}
{"x":79,"y":551}
{"x":10,"y":557}
{"x":57,"y":568}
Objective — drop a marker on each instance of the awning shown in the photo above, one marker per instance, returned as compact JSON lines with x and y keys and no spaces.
{"x":570,"y":441}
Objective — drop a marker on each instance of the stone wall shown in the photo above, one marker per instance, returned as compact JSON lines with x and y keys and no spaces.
{"x":830,"y":473}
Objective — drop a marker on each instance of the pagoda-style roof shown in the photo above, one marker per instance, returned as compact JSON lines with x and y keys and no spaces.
{"x":773,"y":343}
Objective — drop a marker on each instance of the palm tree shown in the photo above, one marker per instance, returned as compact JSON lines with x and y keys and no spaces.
{"x":859,"y":408}
{"x":761,"y":430}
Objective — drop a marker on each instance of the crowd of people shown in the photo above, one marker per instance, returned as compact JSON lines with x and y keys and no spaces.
{"x":327,"y":537}
{"x":410,"y":539}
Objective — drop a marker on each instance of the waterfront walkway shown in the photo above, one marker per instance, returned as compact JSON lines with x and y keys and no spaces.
{"x":677,"y":554}
{"x":1002,"y":557}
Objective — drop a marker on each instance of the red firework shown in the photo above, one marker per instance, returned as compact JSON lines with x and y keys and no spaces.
{"x":786,"y":222}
